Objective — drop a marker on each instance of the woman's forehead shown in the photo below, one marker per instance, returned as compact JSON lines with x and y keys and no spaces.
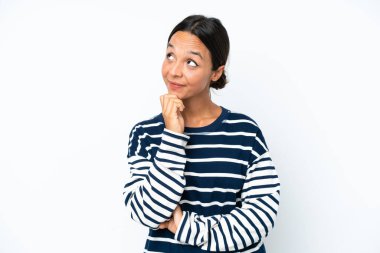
{"x":188,"y":42}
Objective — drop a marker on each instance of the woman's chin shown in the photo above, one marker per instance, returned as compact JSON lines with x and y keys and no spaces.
{"x":178,"y":94}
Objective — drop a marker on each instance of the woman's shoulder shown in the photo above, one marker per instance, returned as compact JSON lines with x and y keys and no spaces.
{"x":242,"y":119}
{"x":248,"y":125}
{"x":153,"y":123}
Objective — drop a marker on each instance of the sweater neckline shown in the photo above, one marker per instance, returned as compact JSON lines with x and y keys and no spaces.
{"x":210,"y":127}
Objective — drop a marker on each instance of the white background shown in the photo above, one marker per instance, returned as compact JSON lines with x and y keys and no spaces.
{"x":76,"y":75}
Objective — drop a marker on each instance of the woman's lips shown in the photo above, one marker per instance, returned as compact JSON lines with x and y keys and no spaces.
{"x":176,"y":85}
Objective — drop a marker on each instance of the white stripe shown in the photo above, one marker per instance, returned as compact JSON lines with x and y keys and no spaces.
{"x":260,"y":182}
{"x":223,"y":133}
{"x":175,"y":140}
{"x":170,"y":165}
{"x":267,"y":163}
{"x":213,"y":203}
{"x":263,"y":164}
{"x":260,"y":191}
{"x":217,"y":159}
{"x":193,"y":229}
{"x":215,"y":189}
{"x":171,"y":157}
{"x":141,"y":164}
{"x":135,"y":158}
{"x":234,"y":121}
{"x":151,"y":125}
{"x":166,"y":147}
{"x":195,"y":174}
{"x":218,"y":146}
{"x":261,"y":173}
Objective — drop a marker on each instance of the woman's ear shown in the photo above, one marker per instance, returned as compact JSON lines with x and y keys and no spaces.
{"x":217,"y":73}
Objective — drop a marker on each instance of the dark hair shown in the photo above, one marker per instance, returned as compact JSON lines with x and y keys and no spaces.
{"x":214,"y":36}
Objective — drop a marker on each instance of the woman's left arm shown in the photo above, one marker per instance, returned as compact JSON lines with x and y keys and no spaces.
{"x":245,"y":225}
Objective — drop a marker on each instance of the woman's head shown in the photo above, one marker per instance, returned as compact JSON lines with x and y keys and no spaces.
{"x":197,"y":52}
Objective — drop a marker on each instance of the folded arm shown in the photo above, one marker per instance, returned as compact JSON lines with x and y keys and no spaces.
{"x":245,"y":225}
{"x":155,"y":185}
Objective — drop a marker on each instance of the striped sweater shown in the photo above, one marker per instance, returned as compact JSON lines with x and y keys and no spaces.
{"x":221,"y":174}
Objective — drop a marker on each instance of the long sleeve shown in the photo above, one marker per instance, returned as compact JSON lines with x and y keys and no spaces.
{"x":245,"y":225}
{"x":155,"y":185}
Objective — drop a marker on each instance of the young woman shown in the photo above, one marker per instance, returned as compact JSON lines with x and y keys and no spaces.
{"x":202,"y":178}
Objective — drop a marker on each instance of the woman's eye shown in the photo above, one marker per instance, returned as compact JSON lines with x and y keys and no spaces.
{"x":192,"y":63}
{"x":169,"y":56}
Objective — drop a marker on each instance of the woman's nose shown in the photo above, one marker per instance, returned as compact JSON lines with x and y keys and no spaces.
{"x":176,"y":69}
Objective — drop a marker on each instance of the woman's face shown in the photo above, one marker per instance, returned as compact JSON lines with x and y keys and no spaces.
{"x":186,"y":69}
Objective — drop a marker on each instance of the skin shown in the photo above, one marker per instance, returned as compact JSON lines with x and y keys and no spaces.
{"x":188,"y":63}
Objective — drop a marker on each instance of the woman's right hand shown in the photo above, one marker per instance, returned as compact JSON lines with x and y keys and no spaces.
{"x":172,"y":107}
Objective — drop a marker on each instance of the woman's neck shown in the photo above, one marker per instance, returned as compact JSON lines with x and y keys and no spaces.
{"x":200,"y":112}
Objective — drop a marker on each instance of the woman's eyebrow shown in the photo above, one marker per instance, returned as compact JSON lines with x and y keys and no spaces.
{"x":191,"y":52}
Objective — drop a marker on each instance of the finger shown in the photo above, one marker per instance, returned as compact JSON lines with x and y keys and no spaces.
{"x":168,"y":100}
{"x":178,"y":107}
{"x":180,"y":102}
{"x":172,"y":109}
{"x":171,"y":96}
{"x":163,"y":225}
{"x":181,"y":106}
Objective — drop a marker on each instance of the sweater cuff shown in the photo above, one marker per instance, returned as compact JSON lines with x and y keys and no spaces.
{"x":175,"y":137}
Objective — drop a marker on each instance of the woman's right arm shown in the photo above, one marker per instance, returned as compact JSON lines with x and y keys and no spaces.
{"x":155,"y":185}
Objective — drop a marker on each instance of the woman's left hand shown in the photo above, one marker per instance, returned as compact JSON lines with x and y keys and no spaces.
{"x":173,"y":223}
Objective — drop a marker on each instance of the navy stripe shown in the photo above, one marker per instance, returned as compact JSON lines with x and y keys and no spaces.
{"x":182,"y":225}
{"x":209,"y":234}
{"x":261,"y":187}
